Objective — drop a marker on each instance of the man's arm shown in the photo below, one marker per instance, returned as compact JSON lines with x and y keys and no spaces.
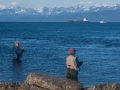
{"x":19,"y":51}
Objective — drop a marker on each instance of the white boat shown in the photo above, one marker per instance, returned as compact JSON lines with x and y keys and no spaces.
{"x":85,"y":20}
{"x":102,"y":21}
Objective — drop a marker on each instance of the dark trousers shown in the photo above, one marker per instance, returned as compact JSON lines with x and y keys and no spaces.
{"x":72,"y":74}
{"x":16,"y":59}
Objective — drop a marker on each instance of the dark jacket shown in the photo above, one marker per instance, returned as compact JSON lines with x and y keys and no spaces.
{"x":17,"y":52}
{"x":78,"y":63}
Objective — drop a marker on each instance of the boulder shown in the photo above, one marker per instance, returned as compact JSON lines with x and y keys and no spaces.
{"x":111,"y":86}
{"x":52,"y":83}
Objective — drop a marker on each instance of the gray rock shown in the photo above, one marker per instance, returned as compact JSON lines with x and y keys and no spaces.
{"x":111,"y":86}
{"x":8,"y":86}
{"x":52,"y":83}
{"x":30,"y":87}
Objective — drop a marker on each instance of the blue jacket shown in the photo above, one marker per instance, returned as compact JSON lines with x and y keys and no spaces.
{"x":17,"y":52}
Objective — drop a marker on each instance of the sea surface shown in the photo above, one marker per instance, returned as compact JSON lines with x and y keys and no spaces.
{"x":47,"y":46}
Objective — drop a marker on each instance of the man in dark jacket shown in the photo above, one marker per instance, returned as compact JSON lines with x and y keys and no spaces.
{"x":17,"y":52}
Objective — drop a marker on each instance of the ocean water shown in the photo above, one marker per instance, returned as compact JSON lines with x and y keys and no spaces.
{"x":47,"y":46}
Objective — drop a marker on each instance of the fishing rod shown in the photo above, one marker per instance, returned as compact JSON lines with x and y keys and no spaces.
{"x":40,"y":21}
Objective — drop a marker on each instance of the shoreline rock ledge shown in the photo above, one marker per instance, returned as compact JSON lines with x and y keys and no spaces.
{"x":110,"y":86}
{"x":35,"y":81}
{"x":52,"y":83}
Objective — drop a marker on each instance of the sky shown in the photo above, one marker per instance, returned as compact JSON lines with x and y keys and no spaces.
{"x":56,"y":3}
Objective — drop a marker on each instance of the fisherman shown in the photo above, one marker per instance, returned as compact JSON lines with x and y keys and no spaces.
{"x":73,"y":66}
{"x":17,"y":52}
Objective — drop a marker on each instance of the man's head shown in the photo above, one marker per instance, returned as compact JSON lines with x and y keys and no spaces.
{"x":72,"y":51}
{"x":16,"y":43}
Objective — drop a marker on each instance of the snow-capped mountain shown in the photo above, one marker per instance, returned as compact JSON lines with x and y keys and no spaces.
{"x":19,"y":12}
{"x":55,"y":10}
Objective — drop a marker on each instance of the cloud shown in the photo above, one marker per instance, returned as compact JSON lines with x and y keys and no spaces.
{"x":97,"y":5}
{"x":104,"y":5}
{"x":15,"y":4}
{"x":90,"y":3}
{"x":86,"y":3}
{"x":2,"y":6}
{"x":11,"y":5}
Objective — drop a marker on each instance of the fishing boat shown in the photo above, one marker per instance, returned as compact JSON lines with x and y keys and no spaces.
{"x":84,"y":20}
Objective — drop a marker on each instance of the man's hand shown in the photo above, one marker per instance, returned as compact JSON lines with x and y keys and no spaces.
{"x":23,"y":48}
{"x":78,"y":69}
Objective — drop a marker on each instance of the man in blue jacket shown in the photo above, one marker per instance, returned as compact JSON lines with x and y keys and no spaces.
{"x":17,"y":52}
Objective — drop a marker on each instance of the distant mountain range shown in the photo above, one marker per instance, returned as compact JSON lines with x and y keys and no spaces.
{"x":60,"y":14}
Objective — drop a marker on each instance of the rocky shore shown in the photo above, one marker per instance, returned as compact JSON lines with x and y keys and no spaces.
{"x":36,"y":81}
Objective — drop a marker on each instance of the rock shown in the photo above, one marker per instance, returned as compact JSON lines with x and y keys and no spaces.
{"x":111,"y":86}
{"x":8,"y":86}
{"x":37,"y":81}
{"x":52,"y":83}
{"x":30,"y":87}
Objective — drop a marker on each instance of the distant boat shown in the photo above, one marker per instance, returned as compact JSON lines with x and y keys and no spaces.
{"x":102,"y":21}
{"x":84,"y":20}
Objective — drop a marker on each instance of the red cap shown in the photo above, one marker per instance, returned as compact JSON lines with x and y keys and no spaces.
{"x":72,"y":51}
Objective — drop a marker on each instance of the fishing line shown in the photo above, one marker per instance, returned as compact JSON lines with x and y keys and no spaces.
{"x":39,"y":22}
